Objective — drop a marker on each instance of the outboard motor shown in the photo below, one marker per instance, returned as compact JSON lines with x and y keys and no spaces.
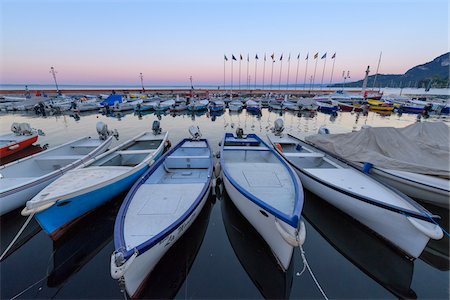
{"x":239,"y":133}
{"x":195,"y":132}
{"x":104,"y":133}
{"x":156,"y":128}
{"x":21,"y":128}
{"x":278,"y":127}
{"x":324,"y":130}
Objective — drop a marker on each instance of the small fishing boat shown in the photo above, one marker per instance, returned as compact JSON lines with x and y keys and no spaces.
{"x":390,"y":213}
{"x":23,"y":179}
{"x":289,"y":105}
{"x":216,"y":105}
{"x":179,"y":106}
{"x":307,"y":104}
{"x":275,"y":105}
{"x":84,"y":105}
{"x":235,"y":105}
{"x":22,"y":136}
{"x":266,"y":191}
{"x":79,"y":191}
{"x":253,"y":106}
{"x":380,"y":105}
{"x":164,"y":105}
{"x":159,"y":208}
{"x":349,"y":107}
{"x":144,"y":106}
{"x":326,"y":107}
{"x":410,"y":108}
{"x":126,"y":105}
{"x":198,"y":105}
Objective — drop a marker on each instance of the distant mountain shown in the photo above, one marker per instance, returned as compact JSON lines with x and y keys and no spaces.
{"x":435,"y":71}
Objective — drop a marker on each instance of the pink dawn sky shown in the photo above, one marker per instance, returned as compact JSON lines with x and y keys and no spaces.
{"x":111,"y":42}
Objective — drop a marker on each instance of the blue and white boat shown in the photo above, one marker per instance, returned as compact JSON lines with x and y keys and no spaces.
{"x":159,"y":208}
{"x":198,"y":105}
{"x":216,"y":105}
{"x":80,"y":191}
{"x":164,"y":105}
{"x":266,"y":190}
{"x":253,"y":106}
{"x":327,"y":107}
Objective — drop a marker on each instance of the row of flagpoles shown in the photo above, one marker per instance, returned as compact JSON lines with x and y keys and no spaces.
{"x":273,"y":59}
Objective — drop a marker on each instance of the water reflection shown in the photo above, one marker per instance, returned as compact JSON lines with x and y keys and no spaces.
{"x":171,"y":271}
{"x":255,"y":255}
{"x":82,"y":242}
{"x":361,"y":247}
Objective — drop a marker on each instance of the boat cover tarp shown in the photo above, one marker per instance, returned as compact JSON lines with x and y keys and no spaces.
{"x":420,"y":148}
{"x":111,"y":100}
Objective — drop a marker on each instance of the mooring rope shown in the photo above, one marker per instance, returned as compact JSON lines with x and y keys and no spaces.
{"x":17,"y":236}
{"x":306,"y":265}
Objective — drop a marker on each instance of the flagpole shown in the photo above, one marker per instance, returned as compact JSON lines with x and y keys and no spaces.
{"x":323,"y":71}
{"x":296,"y":74}
{"x":289,"y":67}
{"x":248,"y":64}
{"x":224,"y":61}
{"x":264,"y":70}
{"x":240,"y":59}
{"x":306,"y":70}
{"x":271,"y":75}
{"x":376,"y":74}
{"x":332,"y":69}
{"x":315,"y":68}
{"x":281,"y":68}
{"x":256,"y":67}
{"x":231,"y":89}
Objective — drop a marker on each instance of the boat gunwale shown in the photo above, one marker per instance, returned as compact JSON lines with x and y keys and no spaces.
{"x":422,"y":214}
{"x":293,"y":219}
{"x":119,"y":239}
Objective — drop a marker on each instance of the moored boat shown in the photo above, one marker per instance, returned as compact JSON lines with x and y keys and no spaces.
{"x":22,"y":136}
{"x":23,"y":179}
{"x":388,"y":212}
{"x":378,"y":105}
{"x":216,"y":105}
{"x":100,"y":179}
{"x":235,"y":105}
{"x":266,"y":191}
{"x":197,"y":105}
{"x":159,"y":208}
{"x":253,"y":106}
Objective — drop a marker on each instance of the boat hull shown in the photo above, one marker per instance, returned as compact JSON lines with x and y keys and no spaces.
{"x":60,"y":216}
{"x":392,"y":226}
{"x":264,"y":222}
{"x":17,"y":146}
{"x":136,"y":274}
{"x":415,"y":190}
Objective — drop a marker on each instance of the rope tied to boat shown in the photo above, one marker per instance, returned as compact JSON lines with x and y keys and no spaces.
{"x":17,"y":235}
{"x":306,"y":265}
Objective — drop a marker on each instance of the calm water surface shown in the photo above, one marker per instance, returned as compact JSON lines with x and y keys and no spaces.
{"x":221,"y":255}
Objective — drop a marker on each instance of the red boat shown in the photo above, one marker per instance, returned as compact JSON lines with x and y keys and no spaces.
{"x":11,"y":143}
{"x":349,"y":107}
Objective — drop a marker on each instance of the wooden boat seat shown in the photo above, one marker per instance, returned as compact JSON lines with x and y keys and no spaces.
{"x":146,"y":151}
{"x":301,"y":154}
{"x":187,"y":162}
{"x":54,"y":162}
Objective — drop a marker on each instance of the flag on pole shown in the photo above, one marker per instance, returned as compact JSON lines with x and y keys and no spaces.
{"x":256,"y":57}
{"x":241,"y":56}
{"x":316,"y":55}
{"x":324,"y":56}
{"x":232,"y":57}
{"x":334,"y":55}
{"x":273,"y":56}
{"x":298,"y":56}
{"x":307,"y":55}
{"x":225,"y":57}
{"x":281,"y":57}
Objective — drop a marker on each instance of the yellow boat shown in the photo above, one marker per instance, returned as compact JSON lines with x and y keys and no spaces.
{"x":380,"y":105}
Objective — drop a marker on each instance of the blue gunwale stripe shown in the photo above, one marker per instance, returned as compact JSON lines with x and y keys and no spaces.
{"x":119,"y":239}
{"x":292,"y":219}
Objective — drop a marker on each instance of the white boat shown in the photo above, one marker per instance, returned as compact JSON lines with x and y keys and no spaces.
{"x":98,"y":180}
{"x":275,"y":105}
{"x":85,"y":105}
{"x":126,"y":105}
{"x":289,"y":105}
{"x":198,"y":105}
{"x":253,"y":106}
{"x":24,"y":178}
{"x":266,"y":191}
{"x":235,"y":105}
{"x":391,"y":214}
{"x":159,"y":208}
{"x":164,"y":105}
{"x":22,"y":136}
{"x":307,"y":104}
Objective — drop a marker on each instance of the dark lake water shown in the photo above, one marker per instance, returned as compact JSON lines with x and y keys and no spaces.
{"x":221,"y":256}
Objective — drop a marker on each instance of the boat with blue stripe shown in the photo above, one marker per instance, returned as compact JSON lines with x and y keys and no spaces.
{"x":78,"y":192}
{"x":158,"y":209}
{"x":266,"y":190}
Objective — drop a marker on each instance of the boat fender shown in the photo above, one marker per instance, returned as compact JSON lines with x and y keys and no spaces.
{"x":117,"y":272}
{"x":294,"y":241}
{"x":279,"y":148}
{"x":367,"y":167}
{"x":217,"y":170}
{"x":26,"y":211}
{"x":434,"y":233}
{"x":167,"y":145}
